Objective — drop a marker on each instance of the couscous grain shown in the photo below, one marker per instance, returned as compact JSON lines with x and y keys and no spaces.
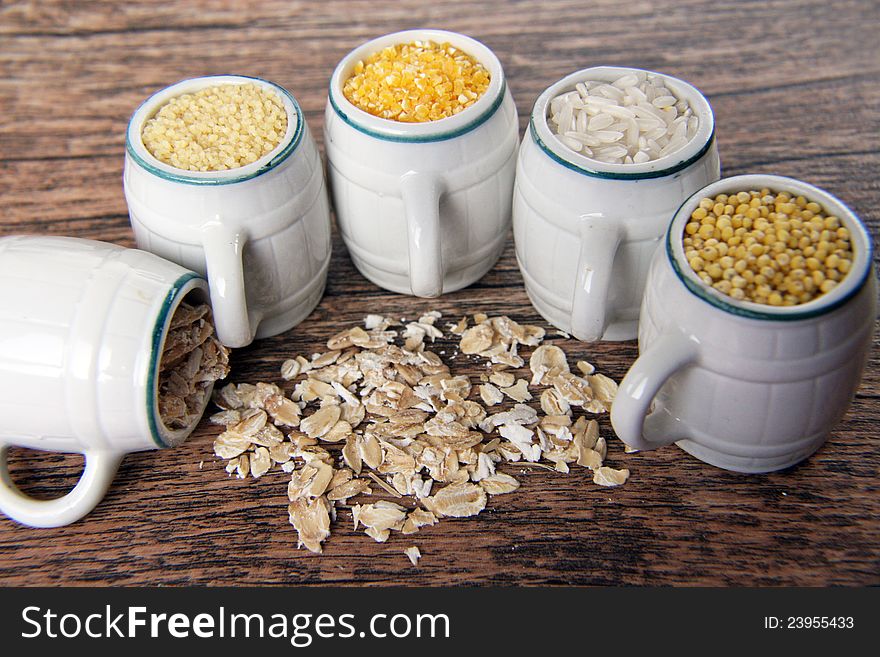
{"x":217,"y":128}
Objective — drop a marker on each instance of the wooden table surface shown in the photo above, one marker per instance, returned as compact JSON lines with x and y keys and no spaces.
{"x":796,"y":91}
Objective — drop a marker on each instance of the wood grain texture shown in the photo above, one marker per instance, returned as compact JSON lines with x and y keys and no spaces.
{"x":795,"y":86}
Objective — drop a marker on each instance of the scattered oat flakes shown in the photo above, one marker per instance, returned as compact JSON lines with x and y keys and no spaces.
{"x":418,"y":518}
{"x":457,"y":501}
{"x":384,"y":485}
{"x":321,"y":421}
{"x":344,"y":491}
{"x":606,"y":476}
{"x":553,"y":404}
{"x":311,"y":518}
{"x":284,"y":411}
{"x":519,"y":391}
{"x":260,"y":462}
{"x":379,"y":518}
{"x":290,"y":369}
{"x":604,"y":388}
{"x":375,"y":321}
{"x":461,"y":327}
{"x":547,"y":361}
{"x":490,"y":394}
{"x":476,"y":339}
{"x":575,"y":390}
{"x":414,"y":555}
{"x":226,"y":418}
{"x":499,"y":483}
{"x":229,"y":445}
{"x":502,"y":379}
{"x":192,"y":360}
{"x":402,"y":420}
{"x":370,"y":451}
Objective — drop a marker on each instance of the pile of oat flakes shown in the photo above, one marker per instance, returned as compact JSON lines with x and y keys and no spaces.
{"x":192,"y":359}
{"x":406,"y":425}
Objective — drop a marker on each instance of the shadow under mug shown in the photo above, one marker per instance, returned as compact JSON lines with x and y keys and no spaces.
{"x":585,"y":230}
{"x":260,"y":233}
{"x":740,"y":385}
{"x":423,"y":208}
{"x":82,"y":332}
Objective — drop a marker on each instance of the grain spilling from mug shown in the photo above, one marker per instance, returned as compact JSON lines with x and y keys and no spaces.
{"x":767,"y":247}
{"x":381,"y":426}
{"x":632,"y":120}
{"x":416,"y":82}
{"x":192,"y":359}
{"x":217,"y":128}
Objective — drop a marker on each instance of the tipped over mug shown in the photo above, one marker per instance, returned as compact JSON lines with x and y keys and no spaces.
{"x":82,"y":329}
{"x":260,"y":233}
{"x":424,"y":208}
{"x":585,"y":230}
{"x":740,"y":385}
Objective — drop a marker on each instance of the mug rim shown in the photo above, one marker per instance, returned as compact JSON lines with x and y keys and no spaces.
{"x":424,"y":131}
{"x":163,"y":436}
{"x":667,"y":165}
{"x":134,"y":144}
{"x":843,"y":292}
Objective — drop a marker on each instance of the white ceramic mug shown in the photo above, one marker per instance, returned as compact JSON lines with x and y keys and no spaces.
{"x":740,"y":385}
{"x":260,"y":233}
{"x":82,"y":328}
{"x":585,"y":230}
{"x":424,"y":208}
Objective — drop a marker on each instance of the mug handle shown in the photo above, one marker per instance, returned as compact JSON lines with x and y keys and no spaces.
{"x":223,"y":258}
{"x":100,"y":468}
{"x":421,"y":203}
{"x":600,"y":238}
{"x":631,"y":415}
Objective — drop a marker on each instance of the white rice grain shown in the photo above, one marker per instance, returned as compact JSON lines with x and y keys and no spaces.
{"x":620,"y":112}
{"x":631,"y":120}
{"x":600,"y":122}
{"x":608,"y":136}
{"x":629,"y":80}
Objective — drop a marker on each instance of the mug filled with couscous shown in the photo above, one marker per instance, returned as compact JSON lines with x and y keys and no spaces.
{"x":756,"y":322}
{"x":222,"y":176}
{"x":421,"y":135}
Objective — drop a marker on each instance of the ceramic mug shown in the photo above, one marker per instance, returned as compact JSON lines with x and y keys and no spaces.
{"x":260,"y":233}
{"x":81,"y":336}
{"x":585,"y":230}
{"x":423,"y":208}
{"x":740,"y":385}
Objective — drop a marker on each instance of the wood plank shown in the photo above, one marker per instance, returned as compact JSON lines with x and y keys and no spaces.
{"x":795,"y":90}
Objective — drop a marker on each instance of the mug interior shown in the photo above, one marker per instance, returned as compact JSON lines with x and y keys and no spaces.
{"x":136,"y":149}
{"x":445,"y":128}
{"x":692,"y":151}
{"x":193,"y":289}
{"x":848,"y":287}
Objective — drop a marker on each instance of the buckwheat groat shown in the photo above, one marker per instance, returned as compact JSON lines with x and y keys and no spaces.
{"x":218,"y":128}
